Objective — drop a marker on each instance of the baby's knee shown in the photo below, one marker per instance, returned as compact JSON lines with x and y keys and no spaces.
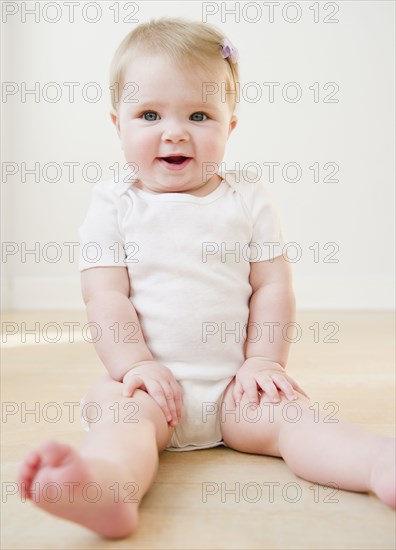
{"x":104,"y":402}
{"x":106,"y":393}
{"x":102,"y":388}
{"x":289,"y":410}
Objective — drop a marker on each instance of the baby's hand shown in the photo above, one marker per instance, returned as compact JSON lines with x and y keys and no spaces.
{"x":268,"y":376}
{"x":159,"y":382}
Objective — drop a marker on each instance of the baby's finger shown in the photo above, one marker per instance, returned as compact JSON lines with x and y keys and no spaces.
{"x":297,"y":387}
{"x":237,"y":392}
{"x":250,"y":388}
{"x":284,"y":385}
{"x":168,"y":392}
{"x":269,"y":388}
{"x":178,"y":394}
{"x":156,"y":391}
{"x":132,"y":384}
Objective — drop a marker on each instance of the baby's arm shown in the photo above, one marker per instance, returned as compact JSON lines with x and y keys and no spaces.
{"x":272,"y":306}
{"x":272,"y":302}
{"x":121,"y":345}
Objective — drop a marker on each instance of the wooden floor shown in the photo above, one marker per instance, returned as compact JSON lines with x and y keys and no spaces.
{"x":354,"y":376}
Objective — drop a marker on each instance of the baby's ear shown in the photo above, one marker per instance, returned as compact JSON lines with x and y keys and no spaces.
{"x":116,"y":121}
{"x":233,"y":123}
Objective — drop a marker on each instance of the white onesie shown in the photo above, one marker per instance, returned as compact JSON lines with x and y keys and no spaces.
{"x":188,"y":261}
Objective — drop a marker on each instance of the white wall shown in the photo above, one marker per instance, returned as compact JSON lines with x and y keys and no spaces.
{"x":356,"y":133}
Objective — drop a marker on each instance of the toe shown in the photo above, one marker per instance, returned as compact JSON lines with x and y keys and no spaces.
{"x":54,"y":453}
{"x":32,"y":458}
{"x":24,"y":481}
{"x":27,"y":471}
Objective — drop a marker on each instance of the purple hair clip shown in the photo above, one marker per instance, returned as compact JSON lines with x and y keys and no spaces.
{"x":228,"y":50}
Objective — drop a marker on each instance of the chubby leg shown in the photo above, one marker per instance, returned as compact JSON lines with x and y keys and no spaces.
{"x":101,"y":485}
{"x":314,"y":444}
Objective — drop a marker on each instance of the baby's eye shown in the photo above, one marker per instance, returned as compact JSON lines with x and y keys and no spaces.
{"x":195,"y":115}
{"x":149,"y":115}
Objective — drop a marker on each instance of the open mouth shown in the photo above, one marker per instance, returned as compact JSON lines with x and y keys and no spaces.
{"x":175,"y":163}
{"x":174,"y":160}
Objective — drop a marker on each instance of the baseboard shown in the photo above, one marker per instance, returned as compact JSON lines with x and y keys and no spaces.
{"x":45,"y":293}
{"x":345,"y":293}
{"x":63,"y":293}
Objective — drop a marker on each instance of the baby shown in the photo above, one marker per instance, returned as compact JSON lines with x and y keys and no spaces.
{"x":181,"y":268}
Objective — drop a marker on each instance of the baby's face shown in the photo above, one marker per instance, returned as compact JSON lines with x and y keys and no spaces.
{"x":170,"y":116}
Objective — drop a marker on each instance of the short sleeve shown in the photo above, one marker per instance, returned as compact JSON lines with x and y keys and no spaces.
{"x":267,"y":239}
{"x":101,"y":240}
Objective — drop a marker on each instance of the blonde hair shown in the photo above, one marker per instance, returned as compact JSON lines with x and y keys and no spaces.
{"x":189,"y":44}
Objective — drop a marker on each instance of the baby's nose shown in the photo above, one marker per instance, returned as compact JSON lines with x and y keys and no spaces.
{"x":175,"y":132}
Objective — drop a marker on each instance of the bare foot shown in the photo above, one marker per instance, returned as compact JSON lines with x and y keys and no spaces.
{"x":383,"y":473}
{"x":94,"y":493}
